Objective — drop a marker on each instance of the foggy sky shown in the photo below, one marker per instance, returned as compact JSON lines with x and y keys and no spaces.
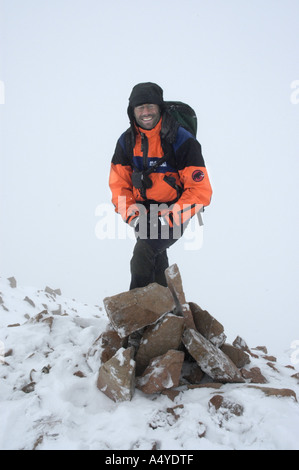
{"x":68,"y":67}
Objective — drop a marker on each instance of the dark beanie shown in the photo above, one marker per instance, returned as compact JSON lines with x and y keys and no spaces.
{"x":146,"y":93}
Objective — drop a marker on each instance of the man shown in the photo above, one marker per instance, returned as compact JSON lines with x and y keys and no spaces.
{"x":158,"y":181}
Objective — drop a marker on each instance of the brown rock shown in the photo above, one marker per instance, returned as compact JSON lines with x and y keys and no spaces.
{"x":270,"y":364}
{"x":110,"y":343}
{"x":10,"y":353}
{"x":261,"y":348}
{"x":295,"y":376}
{"x":12,"y":282}
{"x":51,"y":291}
{"x":162,"y":373}
{"x":207,"y":325}
{"x":43,"y":317}
{"x":240,"y":343}
{"x":29,"y":387}
{"x":187,"y":314}
{"x":194,"y":374}
{"x":276,"y":392}
{"x":239,"y":357}
{"x":158,"y":339}
{"x":173,"y":411}
{"x":205,"y":385}
{"x":135,"y":338}
{"x":226,"y":406}
{"x":116,"y":377}
{"x":202,"y":429}
{"x":174,"y":282}
{"x":137,"y":308}
{"x":79,"y":373}
{"x":254,"y":375}
{"x":171,"y":393}
{"x":27,"y":299}
{"x":210,"y":359}
{"x":270,"y":358}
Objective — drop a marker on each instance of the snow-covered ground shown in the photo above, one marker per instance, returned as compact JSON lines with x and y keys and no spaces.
{"x":49,"y":399}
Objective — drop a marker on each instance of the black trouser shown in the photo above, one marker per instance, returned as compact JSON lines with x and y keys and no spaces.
{"x":150,"y":259}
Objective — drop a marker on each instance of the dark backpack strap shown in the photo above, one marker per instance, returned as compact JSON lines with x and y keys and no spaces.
{"x":129,"y":144}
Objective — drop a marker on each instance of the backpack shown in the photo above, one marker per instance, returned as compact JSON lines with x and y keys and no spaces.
{"x":183,"y":114}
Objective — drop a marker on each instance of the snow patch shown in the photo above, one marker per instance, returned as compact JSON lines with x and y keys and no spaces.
{"x":49,"y":399}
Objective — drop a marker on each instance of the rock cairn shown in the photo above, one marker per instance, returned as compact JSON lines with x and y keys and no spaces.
{"x":156,"y":341}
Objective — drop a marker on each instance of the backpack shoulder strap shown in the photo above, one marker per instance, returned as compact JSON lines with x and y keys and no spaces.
{"x":169,"y":128}
{"x":129,"y":142}
{"x":129,"y":145}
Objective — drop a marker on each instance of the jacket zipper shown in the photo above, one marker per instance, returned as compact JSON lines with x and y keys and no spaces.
{"x":144,"y":150}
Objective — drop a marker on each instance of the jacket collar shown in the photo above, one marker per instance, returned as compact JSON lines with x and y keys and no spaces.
{"x":150,"y":132}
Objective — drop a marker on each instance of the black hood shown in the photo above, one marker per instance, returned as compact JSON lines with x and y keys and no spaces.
{"x":142,"y":93}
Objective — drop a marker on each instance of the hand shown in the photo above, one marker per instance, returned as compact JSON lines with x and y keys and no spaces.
{"x":134,"y":222}
{"x":167,"y":216}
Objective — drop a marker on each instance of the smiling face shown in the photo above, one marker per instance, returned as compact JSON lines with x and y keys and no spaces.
{"x":147,"y":115}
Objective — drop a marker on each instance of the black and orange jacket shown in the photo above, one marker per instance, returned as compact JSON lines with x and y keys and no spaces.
{"x":185,"y":163}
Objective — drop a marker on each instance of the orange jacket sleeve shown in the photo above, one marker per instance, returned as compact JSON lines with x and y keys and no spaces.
{"x":121,"y":185}
{"x":194,"y":178}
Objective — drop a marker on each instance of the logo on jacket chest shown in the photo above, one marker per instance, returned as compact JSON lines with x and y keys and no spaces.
{"x":152,"y":161}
